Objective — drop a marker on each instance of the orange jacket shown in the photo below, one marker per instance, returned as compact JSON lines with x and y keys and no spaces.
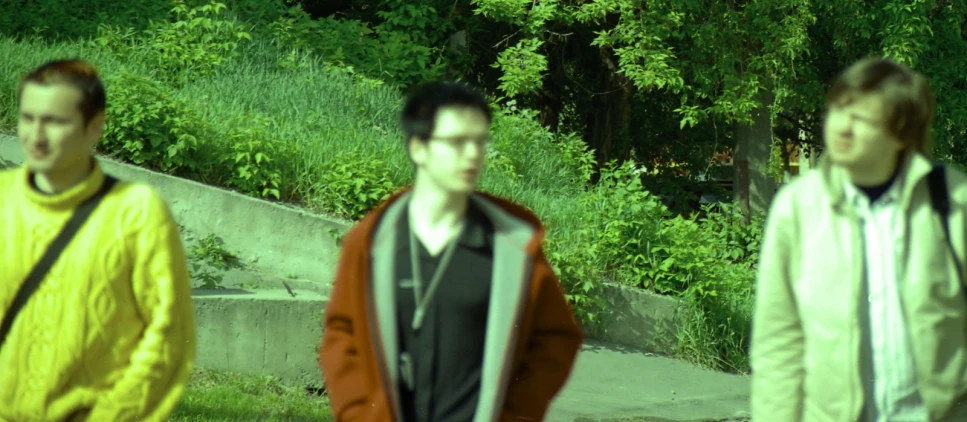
{"x":532,"y":335}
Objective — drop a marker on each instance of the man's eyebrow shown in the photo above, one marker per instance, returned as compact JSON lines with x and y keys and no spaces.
{"x":41,"y":116}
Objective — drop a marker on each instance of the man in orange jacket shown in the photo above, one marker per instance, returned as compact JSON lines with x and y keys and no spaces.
{"x":444,"y":307}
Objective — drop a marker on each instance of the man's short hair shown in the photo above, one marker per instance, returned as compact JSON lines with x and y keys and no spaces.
{"x":76,"y":73}
{"x":908,"y":102}
{"x":419,"y":112}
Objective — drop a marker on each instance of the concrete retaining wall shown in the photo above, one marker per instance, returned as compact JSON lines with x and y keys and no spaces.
{"x":639,"y":319}
{"x":261,"y":332}
{"x":271,"y":332}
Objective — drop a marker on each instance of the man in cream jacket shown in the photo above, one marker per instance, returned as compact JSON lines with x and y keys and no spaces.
{"x":860,"y":304}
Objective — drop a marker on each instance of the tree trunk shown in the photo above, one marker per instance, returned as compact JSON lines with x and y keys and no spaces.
{"x":754,"y":187}
{"x":549,"y":99}
{"x":609,"y":119}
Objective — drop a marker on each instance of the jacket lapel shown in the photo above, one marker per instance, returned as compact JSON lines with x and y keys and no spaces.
{"x":384,"y":290}
{"x":510,"y":285}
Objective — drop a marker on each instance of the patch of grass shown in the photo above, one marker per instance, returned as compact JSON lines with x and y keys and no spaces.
{"x":224,"y":396}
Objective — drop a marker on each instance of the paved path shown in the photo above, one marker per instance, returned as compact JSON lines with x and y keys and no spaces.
{"x":611,"y":384}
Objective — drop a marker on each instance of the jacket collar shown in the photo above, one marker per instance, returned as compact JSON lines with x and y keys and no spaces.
{"x":506,"y":216}
{"x":914,"y":167}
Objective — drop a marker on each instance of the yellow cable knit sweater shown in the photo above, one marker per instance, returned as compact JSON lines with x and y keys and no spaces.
{"x":110,"y":330}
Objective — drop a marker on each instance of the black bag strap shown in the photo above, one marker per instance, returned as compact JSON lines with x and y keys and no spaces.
{"x":940,"y":199}
{"x":50,"y":256}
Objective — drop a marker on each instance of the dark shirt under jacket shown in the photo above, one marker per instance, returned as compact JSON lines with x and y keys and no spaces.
{"x":447,"y":352}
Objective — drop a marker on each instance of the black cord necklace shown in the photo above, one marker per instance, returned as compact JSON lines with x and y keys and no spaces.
{"x":423,"y":302}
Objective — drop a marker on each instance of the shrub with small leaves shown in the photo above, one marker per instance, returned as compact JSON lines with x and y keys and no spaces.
{"x":351,"y":184}
{"x":197,"y":42}
{"x":148,"y":127}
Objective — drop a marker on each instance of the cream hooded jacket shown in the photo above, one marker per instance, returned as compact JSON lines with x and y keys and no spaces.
{"x":805,"y":345}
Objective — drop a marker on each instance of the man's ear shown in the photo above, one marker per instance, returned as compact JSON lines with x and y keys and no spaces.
{"x":95,"y":129}
{"x":416,"y":147}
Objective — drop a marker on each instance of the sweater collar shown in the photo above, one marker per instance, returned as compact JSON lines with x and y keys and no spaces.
{"x":68,"y":199}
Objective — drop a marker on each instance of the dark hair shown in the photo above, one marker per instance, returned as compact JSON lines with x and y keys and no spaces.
{"x":908,"y":101}
{"x":73,"y":72}
{"x":419,"y":112}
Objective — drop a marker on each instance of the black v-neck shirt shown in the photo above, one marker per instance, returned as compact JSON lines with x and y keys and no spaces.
{"x":447,"y":352}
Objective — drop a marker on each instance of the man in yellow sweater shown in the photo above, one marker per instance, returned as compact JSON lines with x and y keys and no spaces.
{"x":109,"y":333}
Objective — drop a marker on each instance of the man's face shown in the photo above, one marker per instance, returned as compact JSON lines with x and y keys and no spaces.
{"x":453,"y":158}
{"x":52,"y":131}
{"x":856,"y":134}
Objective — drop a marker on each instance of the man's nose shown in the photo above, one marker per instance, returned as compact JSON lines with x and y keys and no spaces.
{"x":38,"y":132}
{"x":844,"y":125}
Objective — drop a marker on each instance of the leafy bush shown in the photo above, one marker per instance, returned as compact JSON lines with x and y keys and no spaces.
{"x":381,"y":53}
{"x":255,"y":158}
{"x":59,"y":20}
{"x":147,"y":127}
{"x":621,"y":232}
{"x":709,"y":263}
{"x":352,"y":184}
{"x":197,"y":42}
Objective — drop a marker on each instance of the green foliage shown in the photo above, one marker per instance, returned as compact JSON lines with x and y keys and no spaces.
{"x":777,"y":159}
{"x":709,"y":262}
{"x":618,"y":231}
{"x":254,"y":171}
{"x":523,"y":67}
{"x":194,"y":44}
{"x":626,"y":217}
{"x":337,"y":237}
{"x":528,"y":153}
{"x":208,"y":278}
{"x":210,"y":252}
{"x":59,"y":20}
{"x":380,"y":52}
{"x":199,"y":40}
{"x":148,"y":127}
{"x":569,"y":257}
{"x":352,"y":184}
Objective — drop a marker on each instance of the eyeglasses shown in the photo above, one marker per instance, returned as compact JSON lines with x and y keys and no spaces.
{"x":482,"y":141}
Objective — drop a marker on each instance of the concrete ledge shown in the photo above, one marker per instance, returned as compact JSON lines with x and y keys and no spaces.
{"x":265,"y":332}
{"x":639,"y":319}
